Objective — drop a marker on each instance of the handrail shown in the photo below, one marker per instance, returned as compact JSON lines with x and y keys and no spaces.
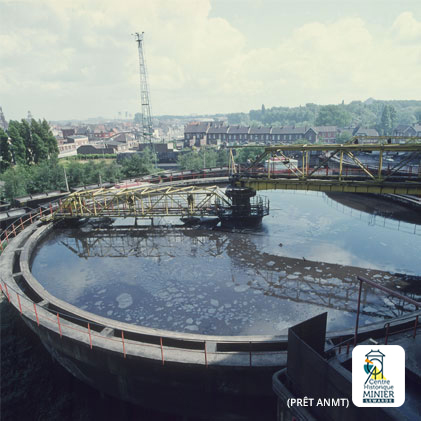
{"x":386,"y":290}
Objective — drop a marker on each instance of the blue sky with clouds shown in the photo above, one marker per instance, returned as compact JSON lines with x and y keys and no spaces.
{"x":76,"y":58}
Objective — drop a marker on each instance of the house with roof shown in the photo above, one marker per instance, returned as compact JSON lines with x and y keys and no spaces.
{"x":68,"y":131}
{"x":364,"y":132}
{"x":414,"y":130}
{"x":238,"y":134}
{"x":260,"y":134}
{"x":326,"y":134}
{"x":196,"y":130}
{"x":400,"y":129}
{"x":78,"y":140}
{"x":217,"y":134}
{"x":287,"y":134}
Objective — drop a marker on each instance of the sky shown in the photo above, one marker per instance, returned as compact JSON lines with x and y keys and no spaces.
{"x":76,"y":59}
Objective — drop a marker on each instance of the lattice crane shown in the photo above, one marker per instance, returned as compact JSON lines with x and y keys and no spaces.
{"x":144,"y":92}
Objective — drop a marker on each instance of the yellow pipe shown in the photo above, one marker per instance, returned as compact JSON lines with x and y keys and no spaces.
{"x":341,"y":160}
{"x":380,"y":165}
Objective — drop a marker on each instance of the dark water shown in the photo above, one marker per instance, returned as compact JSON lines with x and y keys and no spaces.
{"x":303,"y":260}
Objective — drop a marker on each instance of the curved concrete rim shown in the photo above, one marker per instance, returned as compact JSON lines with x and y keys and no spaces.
{"x":72,"y":310}
{"x":25,"y":260}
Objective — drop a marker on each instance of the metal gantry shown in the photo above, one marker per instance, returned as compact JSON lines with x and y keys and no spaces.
{"x":353,"y":167}
{"x":144,"y":202}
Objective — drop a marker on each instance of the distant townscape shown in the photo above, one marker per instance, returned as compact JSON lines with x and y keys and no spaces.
{"x":175,"y":135}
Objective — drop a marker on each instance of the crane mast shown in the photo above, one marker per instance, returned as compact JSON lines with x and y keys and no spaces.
{"x":144,"y":92}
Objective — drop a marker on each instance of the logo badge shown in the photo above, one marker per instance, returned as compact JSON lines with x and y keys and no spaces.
{"x":378,"y":375}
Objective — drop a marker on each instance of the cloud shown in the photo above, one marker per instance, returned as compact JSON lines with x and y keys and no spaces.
{"x":407,"y":27}
{"x":78,"y":59}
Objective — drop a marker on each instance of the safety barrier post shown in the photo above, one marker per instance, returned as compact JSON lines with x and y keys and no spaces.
{"x":6,"y":233}
{"x":358,"y":313}
{"x":13,"y":230}
{"x":21,"y":224}
{"x":1,"y":245}
{"x":347,"y":347}
{"x":122,"y":340}
{"x":206,"y":355}
{"x":387,"y":333}
{"x":90,"y":339}
{"x":36,"y":314}
{"x":20,"y":307}
{"x":30,"y":218}
{"x":59,"y":326}
{"x":162,"y":350}
{"x":7,"y":292}
{"x":40,"y":211}
{"x":415,"y":327}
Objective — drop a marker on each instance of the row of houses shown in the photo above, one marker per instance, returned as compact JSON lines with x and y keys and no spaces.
{"x":407,"y":130}
{"x":202,"y":133}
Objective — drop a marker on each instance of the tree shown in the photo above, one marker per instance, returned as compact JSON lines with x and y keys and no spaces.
{"x":388,"y":119}
{"x":190,"y":161}
{"x":5,"y":151}
{"x":418,"y":116}
{"x":343,"y":137}
{"x":222,"y":158}
{"x":15,"y":182}
{"x":39,"y":150}
{"x":49,"y":140}
{"x":139,"y":164}
{"x":18,"y":149}
{"x":25,"y":132}
{"x":333,"y":115}
{"x":246,"y":155}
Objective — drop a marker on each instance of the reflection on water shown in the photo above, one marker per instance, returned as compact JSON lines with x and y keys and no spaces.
{"x":304,"y":260}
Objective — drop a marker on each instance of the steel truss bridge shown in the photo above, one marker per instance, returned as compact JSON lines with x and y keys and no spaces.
{"x":152,"y":201}
{"x":395,"y":168}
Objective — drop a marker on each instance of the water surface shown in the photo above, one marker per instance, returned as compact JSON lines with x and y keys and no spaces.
{"x":303,"y":260}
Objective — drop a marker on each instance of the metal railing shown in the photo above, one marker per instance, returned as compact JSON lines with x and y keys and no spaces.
{"x":65,"y":323}
{"x":411,"y":322}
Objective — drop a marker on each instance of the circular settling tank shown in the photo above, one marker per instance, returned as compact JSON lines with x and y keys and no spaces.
{"x":303,"y":260}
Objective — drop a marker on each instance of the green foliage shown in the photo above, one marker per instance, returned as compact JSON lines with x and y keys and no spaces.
{"x":366,"y":114}
{"x":191,"y":161}
{"x":18,"y":149}
{"x":284,"y":116}
{"x":388,"y":120}
{"x":5,"y":151}
{"x":333,"y":115}
{"x":238,"y":118}
{"x":32,"y":143}
{"x":15,"y":182}
{"x":205,"y":158}
{"x":417,"y":115}
{"x":21,"y":180}
{"x":344,"y":137}
{"x":247,"y":155}
{"x":139,"y":164}
{"x":86,"y":157}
